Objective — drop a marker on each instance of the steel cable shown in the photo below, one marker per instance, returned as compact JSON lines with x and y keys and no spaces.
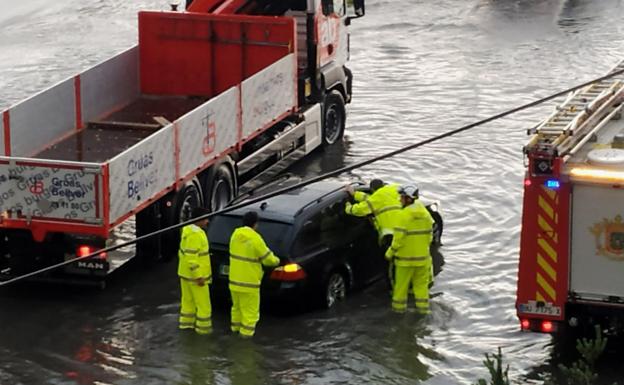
{"x":319,"y":177}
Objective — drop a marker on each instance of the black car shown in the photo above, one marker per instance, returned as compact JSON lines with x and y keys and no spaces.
{"x":324,"y":253}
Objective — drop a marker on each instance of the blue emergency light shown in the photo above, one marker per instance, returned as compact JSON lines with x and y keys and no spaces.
{"x":552,"y":184}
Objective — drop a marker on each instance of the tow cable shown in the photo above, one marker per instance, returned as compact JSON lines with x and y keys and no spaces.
{"x":319,"y":177}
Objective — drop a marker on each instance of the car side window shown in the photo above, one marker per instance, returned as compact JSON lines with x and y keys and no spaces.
{"x":308,"y":237}
{"x":324,"y":229}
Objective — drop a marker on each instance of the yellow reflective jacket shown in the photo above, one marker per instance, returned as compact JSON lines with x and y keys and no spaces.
{"x":248,"y":253}
{"x":194,"y":260}
{"x":411,"y":240}
{"x":383,"y":204}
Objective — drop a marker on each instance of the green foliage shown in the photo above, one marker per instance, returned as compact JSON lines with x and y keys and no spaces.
{"x":582,"y":371}
{"x":495,"y":365}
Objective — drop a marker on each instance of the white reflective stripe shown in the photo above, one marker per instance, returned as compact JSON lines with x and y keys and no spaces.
{"x":388,"y":208}
{"x":187,"y":325}
{"x":195,"y":279}
{"x":203,"y":253}
{"x":250,"y":328}
{"x":370,"y":206}
{"x":418,"y":232}
{"x":189,"y":251}
{"x":265,"y":255}
{"x":411,"y":258}
{"x":244,"y":284}
{"x":412,"y":232}
{"x":246,"y":259}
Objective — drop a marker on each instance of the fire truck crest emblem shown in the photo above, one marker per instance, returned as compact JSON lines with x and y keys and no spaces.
{"x":609,"y":237}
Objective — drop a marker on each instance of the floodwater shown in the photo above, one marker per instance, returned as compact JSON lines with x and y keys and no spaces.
{"x":421,"y":68}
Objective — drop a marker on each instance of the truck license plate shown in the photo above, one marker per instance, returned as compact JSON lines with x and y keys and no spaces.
{"x":546,"y":309}
{"x":224,"y":270}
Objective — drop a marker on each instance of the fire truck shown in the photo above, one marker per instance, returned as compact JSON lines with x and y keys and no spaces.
{"x":217,"y":96}
{"x":572,"y":239}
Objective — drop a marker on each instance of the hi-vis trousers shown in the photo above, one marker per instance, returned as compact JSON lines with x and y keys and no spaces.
{"x":195,"y":307}
{"x":416,"y":276}
{"x":245,"y":312}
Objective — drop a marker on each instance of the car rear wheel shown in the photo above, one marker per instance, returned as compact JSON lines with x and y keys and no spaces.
{"x":335,"y":289}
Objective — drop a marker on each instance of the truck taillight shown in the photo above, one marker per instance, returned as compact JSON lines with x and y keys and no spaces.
{"x":84,"y":250}
{"x":289,"y":272}
{"x":547,"y":326}
{"x":538,"y":325}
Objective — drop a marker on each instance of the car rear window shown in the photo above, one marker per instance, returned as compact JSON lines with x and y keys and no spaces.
{"x":275,"y":234}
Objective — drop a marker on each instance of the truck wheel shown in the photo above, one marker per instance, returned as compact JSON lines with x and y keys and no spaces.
{"x":177,"y":209}
{"x":189,"y":198}
{"x":147,"y":221}
{"x":334,"y":289}
{"x":334,"y":118}
{"x":219,"y":187}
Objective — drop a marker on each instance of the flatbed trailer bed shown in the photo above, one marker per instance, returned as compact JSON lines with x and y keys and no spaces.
{"x":104,"y":139}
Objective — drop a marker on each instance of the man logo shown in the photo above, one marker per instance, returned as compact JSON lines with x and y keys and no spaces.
{"x":91,"y":265}
{"x":609,"y":236}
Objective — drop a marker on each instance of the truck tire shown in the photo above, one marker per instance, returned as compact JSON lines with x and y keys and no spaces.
{"x":148,"y":220}
{"x":334,"y":118}
{"x":177,"y":209}
{"x":219,"y":187}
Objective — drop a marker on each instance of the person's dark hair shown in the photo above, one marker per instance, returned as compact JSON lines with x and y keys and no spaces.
{"x":250,"y":218}
{"x":199,"y":211}
{"x":376,"y":184}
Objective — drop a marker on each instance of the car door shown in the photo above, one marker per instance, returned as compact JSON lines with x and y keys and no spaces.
{"x":367,"y":255}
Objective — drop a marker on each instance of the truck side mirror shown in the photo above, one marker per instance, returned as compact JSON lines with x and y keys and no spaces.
{"x":358,"y":8}
{"x":328,"y":7}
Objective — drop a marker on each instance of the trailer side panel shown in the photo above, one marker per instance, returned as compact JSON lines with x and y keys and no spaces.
{"x":110,"y":85}
{"x":208,"y":131}
{"x":141,"y":173}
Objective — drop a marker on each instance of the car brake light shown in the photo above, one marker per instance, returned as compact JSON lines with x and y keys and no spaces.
{"x":525,"y":324}
{"x":84,"y":250}
{"x":288,"y":272}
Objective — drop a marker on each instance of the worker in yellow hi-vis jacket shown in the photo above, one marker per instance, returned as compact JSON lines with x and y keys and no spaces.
{"x":384,"y":205}
{"x":195,"y":275}
{"x":410,"y":253}
{"x":248,"y":254}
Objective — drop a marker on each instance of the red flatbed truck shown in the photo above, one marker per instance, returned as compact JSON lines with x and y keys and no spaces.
{"x":572,"y":239}
{"x":213,"y":99}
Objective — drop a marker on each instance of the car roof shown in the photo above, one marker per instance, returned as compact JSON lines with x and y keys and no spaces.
{"x":286,"y":207}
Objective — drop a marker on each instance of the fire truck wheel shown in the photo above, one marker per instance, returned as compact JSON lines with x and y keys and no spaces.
{"x":219,"y":187}
{"x":334,"y":118}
